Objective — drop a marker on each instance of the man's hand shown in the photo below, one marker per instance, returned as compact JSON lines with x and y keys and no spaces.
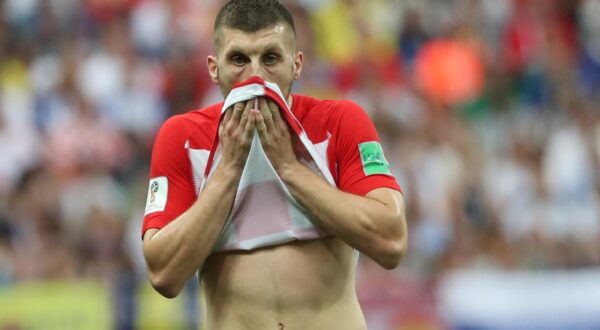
{"x":235,"y":132}
{"x":374,"y":224}
{"x":274,"y":135}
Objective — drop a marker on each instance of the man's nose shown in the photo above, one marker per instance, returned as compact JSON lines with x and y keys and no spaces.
{"x":257,"y":69}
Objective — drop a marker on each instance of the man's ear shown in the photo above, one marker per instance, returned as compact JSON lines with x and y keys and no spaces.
{"x":213,"y":70}
{"x":298,"y":60}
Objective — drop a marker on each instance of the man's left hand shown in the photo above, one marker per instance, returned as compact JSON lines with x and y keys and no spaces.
{"x":274,"y":135}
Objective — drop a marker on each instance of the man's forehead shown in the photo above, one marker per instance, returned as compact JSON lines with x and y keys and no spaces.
{"x":279,"y":29}
{"x":227,"y":37}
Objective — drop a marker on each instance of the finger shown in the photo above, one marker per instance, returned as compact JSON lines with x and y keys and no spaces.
{"x":245,"y":113}
{"x":275,"y":112}
{"x":225,"y":119}
{"x":263,"y":132}
{"x":249,"y":128}
{"x":265,"y":111}
{"x":227,"y":115}
{"x":238,"y":109}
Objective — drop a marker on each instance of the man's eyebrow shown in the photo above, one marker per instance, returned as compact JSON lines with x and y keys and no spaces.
{"x":273,"y":47}
{"x":234,"y":51}
{"x":268,"y":48}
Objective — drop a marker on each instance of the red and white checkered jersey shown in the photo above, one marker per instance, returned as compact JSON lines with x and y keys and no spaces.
{"x":340,"y":131}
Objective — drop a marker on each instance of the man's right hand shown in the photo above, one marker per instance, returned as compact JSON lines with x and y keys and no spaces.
{"x":236,"y":132}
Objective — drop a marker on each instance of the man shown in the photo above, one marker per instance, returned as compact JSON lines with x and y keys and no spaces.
{"x":302,"y":284}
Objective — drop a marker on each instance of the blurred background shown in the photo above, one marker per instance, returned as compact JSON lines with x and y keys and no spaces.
{"x":489,"y":111}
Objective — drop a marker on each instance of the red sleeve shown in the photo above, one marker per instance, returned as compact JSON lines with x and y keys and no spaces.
{"x":354,"y":128}
{"x":171,"y":189}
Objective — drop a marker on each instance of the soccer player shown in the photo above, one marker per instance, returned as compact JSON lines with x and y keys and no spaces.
{"x":297,"y":283}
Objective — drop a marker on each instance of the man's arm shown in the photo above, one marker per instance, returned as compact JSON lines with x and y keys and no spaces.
{"x":374,"y":224}
{"x":175,"y":252}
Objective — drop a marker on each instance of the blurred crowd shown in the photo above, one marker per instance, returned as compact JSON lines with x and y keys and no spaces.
{"x":489,"y":111}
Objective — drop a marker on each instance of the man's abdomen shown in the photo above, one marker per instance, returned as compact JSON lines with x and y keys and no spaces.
{"x":306,"y":284}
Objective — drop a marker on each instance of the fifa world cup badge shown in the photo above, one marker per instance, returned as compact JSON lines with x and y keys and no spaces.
{"x":157,"y":194}
{"x":153,"y":191}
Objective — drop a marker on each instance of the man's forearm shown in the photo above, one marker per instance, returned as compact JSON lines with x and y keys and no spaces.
{"x":369,"y":225}
{"x":179,"y":249}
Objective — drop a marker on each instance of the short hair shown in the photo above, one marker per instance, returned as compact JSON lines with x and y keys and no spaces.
{"x":252,"y":15}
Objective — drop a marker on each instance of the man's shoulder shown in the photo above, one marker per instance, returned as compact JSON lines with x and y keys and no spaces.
{"x":197,"y":125}
{"x":192,"y":120}
{"x":310,"y":101}
{"x":327,"y":109}
{"x":209,"y":114}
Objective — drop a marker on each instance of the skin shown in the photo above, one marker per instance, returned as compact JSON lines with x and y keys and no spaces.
{"x":306,"y":284}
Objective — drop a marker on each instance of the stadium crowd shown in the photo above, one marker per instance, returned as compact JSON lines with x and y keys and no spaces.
{"x":489,"y":111}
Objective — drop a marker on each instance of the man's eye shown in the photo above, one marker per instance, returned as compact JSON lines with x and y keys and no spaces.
{"x":270,"y":59}
{"x":238,"y":60}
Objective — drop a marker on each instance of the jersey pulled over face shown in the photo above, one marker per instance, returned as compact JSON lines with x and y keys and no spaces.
{"x":341,"y":132}
{"x":268,"y":53}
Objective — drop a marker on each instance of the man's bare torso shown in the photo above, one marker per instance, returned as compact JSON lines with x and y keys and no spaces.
{"x":302,"y":285}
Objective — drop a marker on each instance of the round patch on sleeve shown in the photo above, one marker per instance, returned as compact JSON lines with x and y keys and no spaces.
{"x":157,"y":195}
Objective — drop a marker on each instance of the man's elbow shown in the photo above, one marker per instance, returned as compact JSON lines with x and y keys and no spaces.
{"x":392,"y":254}
{"x":166,"y":285}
